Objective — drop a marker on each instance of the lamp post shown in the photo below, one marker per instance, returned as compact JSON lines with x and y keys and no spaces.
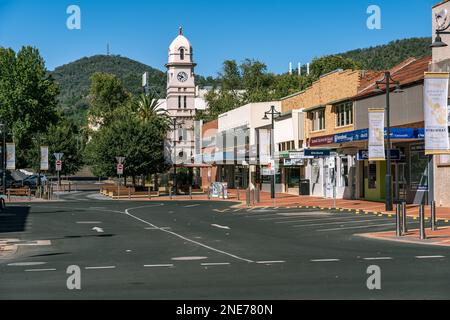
{"x":176,"y":125}
{"x":441,"y":29}
{"x":274,"y":114}
{"x":3,"y":128}
{"x":387,"y":81}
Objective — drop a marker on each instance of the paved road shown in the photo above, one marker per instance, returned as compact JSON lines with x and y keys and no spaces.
{"x":206,"y":250}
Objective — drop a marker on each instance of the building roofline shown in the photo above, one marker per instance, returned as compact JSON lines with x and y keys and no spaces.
{"x":440,"y":3}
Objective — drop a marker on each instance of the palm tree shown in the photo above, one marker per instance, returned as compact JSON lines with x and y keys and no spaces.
{"x":147,"y":108}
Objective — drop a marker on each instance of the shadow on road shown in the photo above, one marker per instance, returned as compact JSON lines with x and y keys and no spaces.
{"x":14,"y":219}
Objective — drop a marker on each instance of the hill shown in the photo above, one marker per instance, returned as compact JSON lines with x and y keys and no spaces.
{"x":386,"y":56}
{"x":74,"y":80}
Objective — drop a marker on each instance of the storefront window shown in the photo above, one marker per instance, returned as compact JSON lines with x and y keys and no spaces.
{"x":344,"y":172}
{"x":293,"y":177}
{"x":419,"y":168}
{"x":372,"y":175}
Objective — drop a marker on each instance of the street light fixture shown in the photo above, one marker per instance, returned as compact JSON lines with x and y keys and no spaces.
{"x":387,"y":81}
{"x":438,"y":43}
{"x":274,"y":114}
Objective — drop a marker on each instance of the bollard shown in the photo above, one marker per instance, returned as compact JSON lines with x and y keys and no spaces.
{"x":422,"y":222}
{"x":404,"y":224}
{"x":248,"y":197}
{"x":129,"y":193}
{"x":397,"y":220}
{"x":170,"y":193}
{"x":258,"y":194}
{"x":238,"y":195}
{"x":253,"y":196}
{"x":433,"y":216}
{"x":190,"y":192}
{"x":208,"y":192}
{"x":149,"y":193}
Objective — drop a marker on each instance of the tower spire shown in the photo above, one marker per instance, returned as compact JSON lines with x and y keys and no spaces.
{"x":180,"y":30}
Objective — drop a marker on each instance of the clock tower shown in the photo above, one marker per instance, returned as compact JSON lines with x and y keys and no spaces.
{"x":181,"y":94}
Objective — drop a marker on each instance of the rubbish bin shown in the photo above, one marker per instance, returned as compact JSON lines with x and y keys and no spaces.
{"x":304,"y":187}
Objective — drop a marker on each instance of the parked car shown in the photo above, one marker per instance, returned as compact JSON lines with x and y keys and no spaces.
{"x":32,"y":181}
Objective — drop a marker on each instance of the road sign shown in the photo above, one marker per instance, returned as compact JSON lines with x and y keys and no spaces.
{"x":58,"y":156}
{"x":120,"y":169}
{"x":58,"y":165}
{"x":120,"y":160}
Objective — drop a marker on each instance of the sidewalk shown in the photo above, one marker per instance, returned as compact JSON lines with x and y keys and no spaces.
{"x":441,"y":237}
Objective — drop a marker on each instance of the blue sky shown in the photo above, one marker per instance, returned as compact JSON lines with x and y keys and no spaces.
{"x":274,"y":31}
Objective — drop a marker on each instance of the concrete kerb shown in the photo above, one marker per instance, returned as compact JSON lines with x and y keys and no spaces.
{"x":376,"y":236}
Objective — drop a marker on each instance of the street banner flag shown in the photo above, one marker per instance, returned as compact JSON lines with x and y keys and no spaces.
{"x":376,"y":135}
{"x":435,"y":113}
{"x":264,"y":146}
{"x":44,"y":158}
{"x":10,"y":156}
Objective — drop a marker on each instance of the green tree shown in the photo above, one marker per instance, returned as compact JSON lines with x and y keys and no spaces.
{"x":61,"y":137}
{"x":28,"y":98}
{"x":147,"y":108}
{"x":324,"y":65}
{"x":107,"y":94}
{"x":142,"y":143}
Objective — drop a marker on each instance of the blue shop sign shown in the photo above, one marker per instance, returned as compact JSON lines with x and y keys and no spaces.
{"x":396,"y":133}
{"x":317,"y":153}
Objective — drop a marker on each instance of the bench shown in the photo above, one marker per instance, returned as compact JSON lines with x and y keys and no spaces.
{"x":22,"y":192}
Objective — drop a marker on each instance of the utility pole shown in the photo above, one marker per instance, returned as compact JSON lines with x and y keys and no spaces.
{"x":274,"y":114}
{"x":387,"y":80}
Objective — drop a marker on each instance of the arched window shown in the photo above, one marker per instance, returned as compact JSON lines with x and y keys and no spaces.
{"x":182,"y":54}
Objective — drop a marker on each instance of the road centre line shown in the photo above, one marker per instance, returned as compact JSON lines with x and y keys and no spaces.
{"x":430,"y":257}
{"x":215,"y":264}
{"x":40,"y":270}
{"x":99,"y":268}
{"x":378,"y":258}
{"x":325,"y":260}
{"x":127,"y":212}
{"x":158,"y":266}
{"x":270,"y":262}
{"x":192,"y":206}
{"x":334,"y":223}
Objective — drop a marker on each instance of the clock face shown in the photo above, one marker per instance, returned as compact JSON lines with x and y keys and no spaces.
{"x":182,"y":76}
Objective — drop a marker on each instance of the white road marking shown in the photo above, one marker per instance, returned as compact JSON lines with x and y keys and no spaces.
{"x":192,"y":206}
{"x":89,"y":222}
{"x":97,"y":229}
{"x":358,"y":227}
{"x":270,"y":262}
{"x":99,"y":268}
{"x":332,"y":223}
{"x":188,"y":258}
{"x":26,"y":264}
{"x":220,"y":227}
{"x":158,"y":265}
{"x":325,"y":260}
{"x":39,"y":270}
{"x":127,"y":212}
{"x":378,"y":258}
{"x":430,"y":257}
{"x":216,"y":264}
